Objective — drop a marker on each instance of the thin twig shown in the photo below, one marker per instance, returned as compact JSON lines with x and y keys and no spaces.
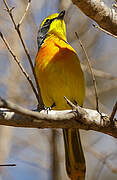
{"x":103,"y":30}
{"x":19,"y":64}
{"x":113,"y":112}
{"x":70,"y":103}
{"x":7,"y":165}
{"x":26,"y":10}
{"x":93,"y":77}
{"x":40,"y":101}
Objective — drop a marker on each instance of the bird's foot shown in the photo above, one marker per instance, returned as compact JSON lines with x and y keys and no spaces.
{"x":47,"y":109}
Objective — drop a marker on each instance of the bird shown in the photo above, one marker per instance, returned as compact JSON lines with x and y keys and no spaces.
{"x":59,"y":74}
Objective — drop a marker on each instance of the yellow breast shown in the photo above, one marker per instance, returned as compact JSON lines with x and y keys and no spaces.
{"x":59,"y":74}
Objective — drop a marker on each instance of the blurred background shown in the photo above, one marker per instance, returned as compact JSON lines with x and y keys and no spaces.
{"x":39,"y":154}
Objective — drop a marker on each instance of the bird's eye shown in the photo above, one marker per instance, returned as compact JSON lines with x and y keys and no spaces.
{"x":47,"y":20}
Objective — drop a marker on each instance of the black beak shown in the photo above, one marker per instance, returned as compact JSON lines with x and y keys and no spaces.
{"x":61,"y":15}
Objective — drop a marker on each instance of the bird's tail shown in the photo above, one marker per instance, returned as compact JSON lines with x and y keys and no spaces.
{"x":75,"y":161}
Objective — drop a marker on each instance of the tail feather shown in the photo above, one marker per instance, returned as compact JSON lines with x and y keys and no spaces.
{"x":75,"y":161}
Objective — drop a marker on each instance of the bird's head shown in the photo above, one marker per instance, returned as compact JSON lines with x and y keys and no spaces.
{"x":52,"y":25}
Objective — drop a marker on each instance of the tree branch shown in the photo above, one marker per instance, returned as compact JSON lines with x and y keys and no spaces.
{"x":26,"y":10}
{"x":86,"y":119}
{"x":100,"y":13}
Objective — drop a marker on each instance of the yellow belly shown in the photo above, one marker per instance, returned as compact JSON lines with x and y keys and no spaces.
{"x":59,"y":74}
